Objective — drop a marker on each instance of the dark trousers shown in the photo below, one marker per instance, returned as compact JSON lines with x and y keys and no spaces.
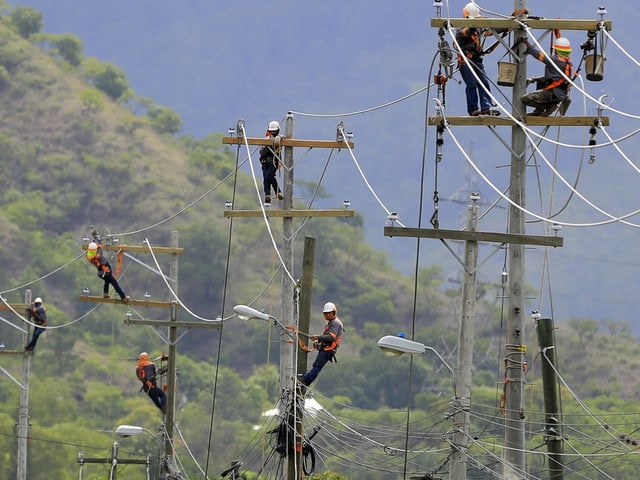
{"x":110,"y":280}
{"x":269,"y":178}
{"x":34,"y":339}
{"x":158,"y":397}
{"x":320,"y":361}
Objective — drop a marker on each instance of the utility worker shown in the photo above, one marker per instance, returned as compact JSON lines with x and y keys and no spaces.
{"x":553,"y":88}
{"x":270,"y":161}
{"x":95,"y":256}
{"x":326,"y":344}
{"x":469,"y":41}
{"x":37,"y":314}
{"x":146,"y":373}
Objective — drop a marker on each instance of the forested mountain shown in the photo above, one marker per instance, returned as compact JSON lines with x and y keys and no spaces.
{"x":78,"y":148}
{"x":362,"y":62}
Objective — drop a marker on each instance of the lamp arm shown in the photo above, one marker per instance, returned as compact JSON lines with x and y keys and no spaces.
{"x":427,"y":347}
{"x":282,"y":327}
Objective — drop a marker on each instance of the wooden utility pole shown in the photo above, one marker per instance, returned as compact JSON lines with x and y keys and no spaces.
{"x":306,"y":285}
{"x":288,"y":367}
{"x":553,"y":415}
{"x":515,"y":238}
{"x":172,"y":338}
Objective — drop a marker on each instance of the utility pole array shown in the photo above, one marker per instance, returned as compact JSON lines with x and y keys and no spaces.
{"x":172,"y":337}
{"x":288,"y":367}
{"x":516,"y":239}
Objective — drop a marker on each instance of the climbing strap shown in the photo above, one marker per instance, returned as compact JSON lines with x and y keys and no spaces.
{"x":120,"y":257}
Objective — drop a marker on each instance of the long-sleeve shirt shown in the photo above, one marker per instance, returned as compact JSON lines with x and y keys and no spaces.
{"x":553,"y":79}
{"x":38,"y":314}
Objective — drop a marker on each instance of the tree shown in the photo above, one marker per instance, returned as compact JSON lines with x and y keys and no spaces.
{"x":26,"y":21}
{"x":69,"y":47}
{"x":164,"y":120}
{"x":106,"y":77}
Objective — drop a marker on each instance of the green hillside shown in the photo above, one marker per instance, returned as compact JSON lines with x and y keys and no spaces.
{"x":72,"y":155}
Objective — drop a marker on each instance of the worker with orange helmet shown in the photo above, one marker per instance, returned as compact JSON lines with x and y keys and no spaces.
{"x":326,"y":344}
{"x":553,"y":88}
{"x":95,"y":256}
{"x":146,"y":373}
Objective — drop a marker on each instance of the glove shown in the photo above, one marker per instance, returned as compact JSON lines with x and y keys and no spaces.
{"x":102,"y":273}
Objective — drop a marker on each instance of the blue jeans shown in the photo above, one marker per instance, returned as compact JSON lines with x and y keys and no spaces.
{"x":321,"y":360}
{"x":474,"y":89}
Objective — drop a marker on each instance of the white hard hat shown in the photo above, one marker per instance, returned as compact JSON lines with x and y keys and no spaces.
{"x":470,"y":10}
{"x":92,"y":246}
{"x":563,"y":44}
{"x":37,"y":300}
{"x":143,"y":356}
{"x":273,"y":126}
{"x":329,"y":307}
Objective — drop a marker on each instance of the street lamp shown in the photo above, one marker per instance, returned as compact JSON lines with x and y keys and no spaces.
{"x":397,"y":345}
{"x":130,"y":430}
{"x":394,"y":345}
{"x":244,"y":312}
{"x":114,"y":461}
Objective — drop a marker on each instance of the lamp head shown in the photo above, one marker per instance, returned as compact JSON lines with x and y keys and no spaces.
{"x":392,"y":345}
{"x":246,"y":313}
{"x":128,"y":430}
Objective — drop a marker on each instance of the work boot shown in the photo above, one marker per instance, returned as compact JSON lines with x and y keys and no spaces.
{"x":490,"y":112}
{"x":126,"y":299}
{"x":280,"y":196}
{"x":538,"y":112}
{"x":106,"y":295}
{"x":267,"y":199}
{"x":475,"y":113}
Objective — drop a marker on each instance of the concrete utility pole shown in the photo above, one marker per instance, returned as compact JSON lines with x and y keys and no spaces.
{"x":23,"y":415}
{"x":462,"y":400}
{"x":288,"y":365}
{"x":172,"y":352}
{"x":289,"y":302}
{"x":515,"y":348}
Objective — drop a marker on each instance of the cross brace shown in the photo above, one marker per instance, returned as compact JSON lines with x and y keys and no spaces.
{"x":473,"y":236}
{"x":289,"y":213}
{"x":287,"y":142}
